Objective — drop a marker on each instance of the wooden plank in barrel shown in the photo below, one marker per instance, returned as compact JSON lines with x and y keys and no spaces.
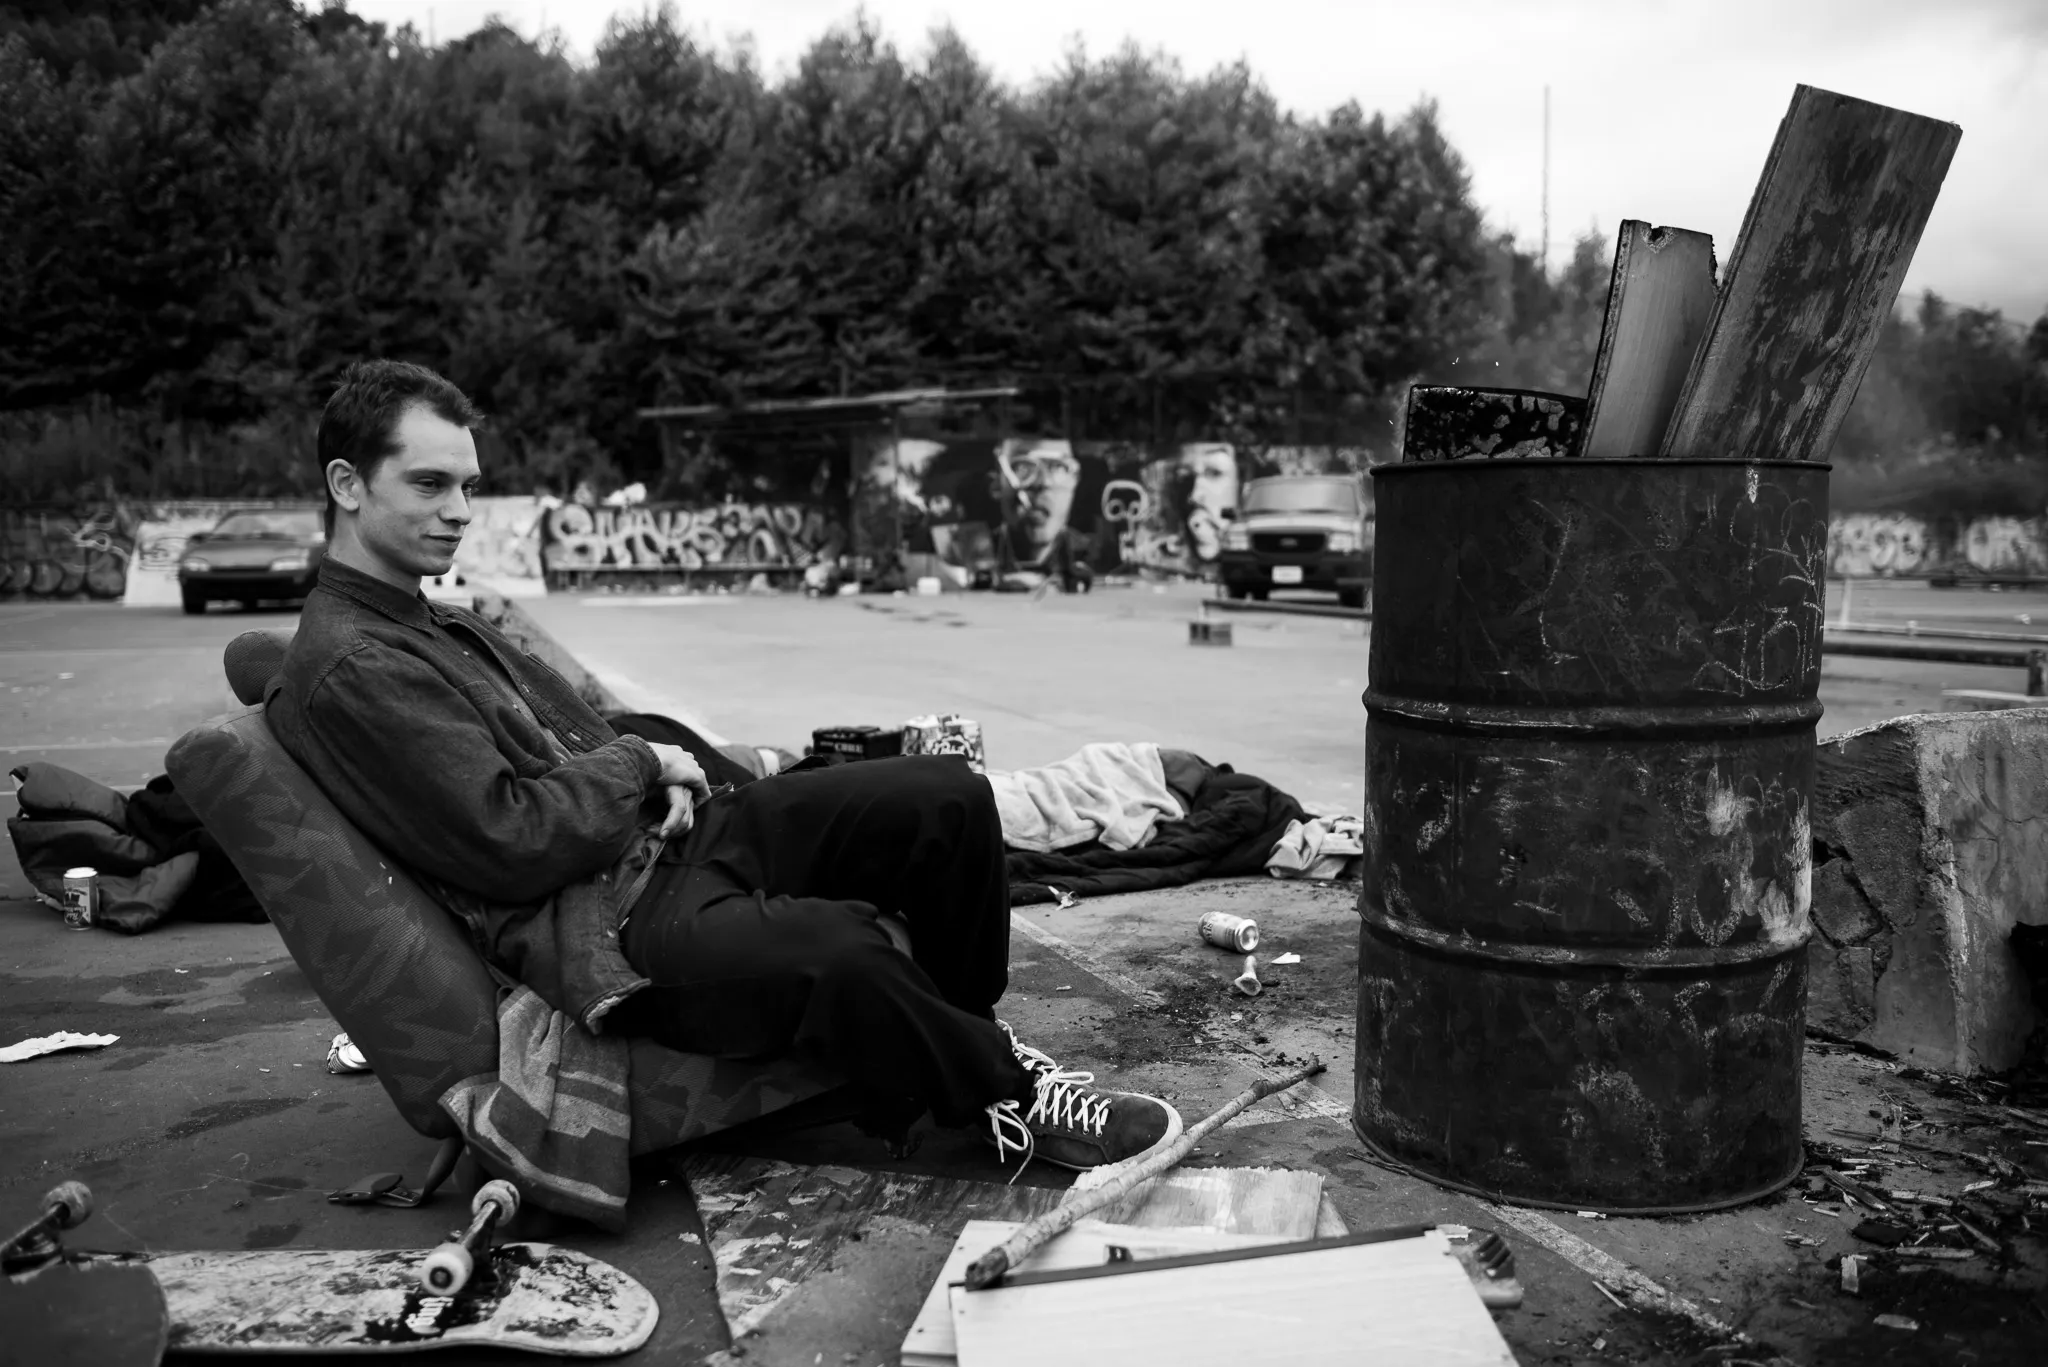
{"x":1823,"y":250}
{"x":1657,"y":311}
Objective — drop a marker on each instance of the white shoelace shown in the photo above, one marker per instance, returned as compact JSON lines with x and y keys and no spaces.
{"x":1037,"y":1061}
{"x":1061,"y":1100}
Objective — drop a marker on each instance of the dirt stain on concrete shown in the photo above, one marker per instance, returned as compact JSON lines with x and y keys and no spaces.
{"x":220,"y":1113}
{"x":270,"y":1236}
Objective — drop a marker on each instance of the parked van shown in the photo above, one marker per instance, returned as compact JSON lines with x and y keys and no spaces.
{"x":1300,"y":532}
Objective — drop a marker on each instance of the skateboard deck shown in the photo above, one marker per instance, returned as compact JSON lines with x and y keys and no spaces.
{"x":66,"y":1314}
{"x":537,"y":1297}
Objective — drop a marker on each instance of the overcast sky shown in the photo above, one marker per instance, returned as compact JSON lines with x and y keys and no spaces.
{"x":1659,"y":109}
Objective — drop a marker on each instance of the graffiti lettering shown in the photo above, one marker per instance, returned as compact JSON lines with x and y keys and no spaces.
{"x":727,"y":536}
{"x":45,"y":553}
{"x":2007,"y":545}
{"x":1863,"y":544}
{"x":502,"y":541}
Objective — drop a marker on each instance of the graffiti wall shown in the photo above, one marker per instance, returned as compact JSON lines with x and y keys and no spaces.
{"x":1898,"y":545}
{"x":1023,"y":502}
{"x":1866,"y":544}
{"x":656,"y":537}
{"x":501,"y":546}
{"x":130,"y":550}
{"x":980,"y":507}
{"x":66,"y":553}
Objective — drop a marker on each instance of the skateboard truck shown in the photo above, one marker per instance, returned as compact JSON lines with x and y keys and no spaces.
{"x":65,"y":1205}
{"x":449,"y":1268}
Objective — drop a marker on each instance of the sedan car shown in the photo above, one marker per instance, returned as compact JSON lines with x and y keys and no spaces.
{"x":253,"y":554}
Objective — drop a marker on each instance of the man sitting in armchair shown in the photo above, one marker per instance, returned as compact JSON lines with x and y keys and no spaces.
{"x":603,"y":872}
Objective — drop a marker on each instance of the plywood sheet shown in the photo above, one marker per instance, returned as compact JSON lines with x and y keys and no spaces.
{"x":1205,"y":1208}
{"x":1825,"y":245}
{"x":1657,"y":311}
{"x":1405,"y":1301}
{"x":930,"y":1342}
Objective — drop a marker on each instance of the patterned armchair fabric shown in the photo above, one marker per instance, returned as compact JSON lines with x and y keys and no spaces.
{"x":395,"y":969}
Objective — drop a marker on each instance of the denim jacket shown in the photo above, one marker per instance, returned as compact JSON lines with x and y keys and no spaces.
{"x":518,"y":806}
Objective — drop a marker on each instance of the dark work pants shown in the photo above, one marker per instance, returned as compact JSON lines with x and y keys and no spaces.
{"x":760,"y":935}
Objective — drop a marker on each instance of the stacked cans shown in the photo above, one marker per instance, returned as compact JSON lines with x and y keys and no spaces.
{"x":947,"y":734}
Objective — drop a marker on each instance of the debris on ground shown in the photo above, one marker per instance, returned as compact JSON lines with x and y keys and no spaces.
{"x":51,"y":1044}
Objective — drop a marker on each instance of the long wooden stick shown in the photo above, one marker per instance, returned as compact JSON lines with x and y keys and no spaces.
{"x":990,"y":1266}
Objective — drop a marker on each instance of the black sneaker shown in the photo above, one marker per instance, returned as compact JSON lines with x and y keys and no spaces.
{"x":1036,"y":1061}
{"x":1079,"y":1126}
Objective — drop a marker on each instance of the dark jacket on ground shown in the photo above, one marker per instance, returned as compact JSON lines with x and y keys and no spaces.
{"x":1232,"y":824}
{"x":479,"y":768}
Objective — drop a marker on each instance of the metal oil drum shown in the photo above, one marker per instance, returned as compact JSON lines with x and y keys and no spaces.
{"x":1589,"y":759}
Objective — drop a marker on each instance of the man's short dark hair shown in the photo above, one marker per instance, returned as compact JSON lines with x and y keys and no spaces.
{"x":361,"y":419}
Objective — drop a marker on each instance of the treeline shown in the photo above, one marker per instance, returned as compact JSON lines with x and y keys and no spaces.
{"x":207,"y":209}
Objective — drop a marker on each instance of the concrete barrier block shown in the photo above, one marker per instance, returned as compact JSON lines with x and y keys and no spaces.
{"x":1930,"y":843}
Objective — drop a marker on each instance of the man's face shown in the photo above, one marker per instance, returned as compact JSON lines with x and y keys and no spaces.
{"x":1212,"y":487}
{"x":411,"y":512}
{"x":1045,"y":477}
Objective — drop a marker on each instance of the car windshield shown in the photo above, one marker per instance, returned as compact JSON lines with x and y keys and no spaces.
{"x":285,"y":524}
{"x":1301,"y":496}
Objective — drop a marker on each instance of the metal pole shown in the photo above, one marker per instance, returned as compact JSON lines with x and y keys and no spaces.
{"x":896,"y":479}
{"x":1544,"y":253}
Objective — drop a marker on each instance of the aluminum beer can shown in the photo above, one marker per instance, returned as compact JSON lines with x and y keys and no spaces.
{"x":81,"y":897}
{"x":1225,"y":931}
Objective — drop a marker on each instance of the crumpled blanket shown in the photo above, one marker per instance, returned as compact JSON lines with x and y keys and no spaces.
{"x":556,"y":1116}
{"x":1232,"y":824}
{"x":1320,"y":848}
{"x":1112,"y":792}
{"x":154,"y":858}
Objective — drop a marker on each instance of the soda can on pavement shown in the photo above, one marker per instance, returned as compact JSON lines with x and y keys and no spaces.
{"x":81,"y":897}
{"x":1225,"y":931}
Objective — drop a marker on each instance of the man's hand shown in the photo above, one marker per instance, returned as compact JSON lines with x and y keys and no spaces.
{"x":684,"y":778}
{"x":681,"y":813}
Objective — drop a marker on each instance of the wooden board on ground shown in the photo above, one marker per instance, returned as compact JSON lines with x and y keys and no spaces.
{"x":543,"y":1299}
{"x":931,"y":1341}
{"x":771,"y":1225}
{"x":1213,"y":1207}
{"x":1233,"y":1200}
{"x":1657,"y":311}
{"x":1406,"y":1300}
{"x":1824,"y":247}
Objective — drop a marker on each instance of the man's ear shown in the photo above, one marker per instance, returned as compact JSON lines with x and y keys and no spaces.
{"x":344,"y":486}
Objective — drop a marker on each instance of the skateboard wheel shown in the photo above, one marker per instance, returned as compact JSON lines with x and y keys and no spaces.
{"x":499,"y":1193}
{"x":71,"y":1201}
{"x":446,"y":1270}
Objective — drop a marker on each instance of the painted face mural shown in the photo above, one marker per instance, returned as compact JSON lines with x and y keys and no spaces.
{"x":1039,"y":479}
{"x":1209,"y":474}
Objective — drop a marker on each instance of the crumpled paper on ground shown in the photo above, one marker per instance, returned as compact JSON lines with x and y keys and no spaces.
{"x":50,"y":1044}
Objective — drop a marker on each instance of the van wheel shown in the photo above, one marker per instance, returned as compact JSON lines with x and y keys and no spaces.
{"x":1234,"y":591}
{"x":1351,"y":598}
{"x":195,"y":603}
{"x":1257,"y":595}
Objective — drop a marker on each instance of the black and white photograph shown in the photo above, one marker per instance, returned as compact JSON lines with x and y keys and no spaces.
{"x":930,"y":683}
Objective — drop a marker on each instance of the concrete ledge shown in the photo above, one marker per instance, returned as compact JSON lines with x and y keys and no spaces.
{"x":1986,"y":700}
{"x":1930,"y":843}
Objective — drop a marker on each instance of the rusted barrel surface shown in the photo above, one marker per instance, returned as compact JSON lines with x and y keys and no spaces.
{"x":1589,"y":753}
